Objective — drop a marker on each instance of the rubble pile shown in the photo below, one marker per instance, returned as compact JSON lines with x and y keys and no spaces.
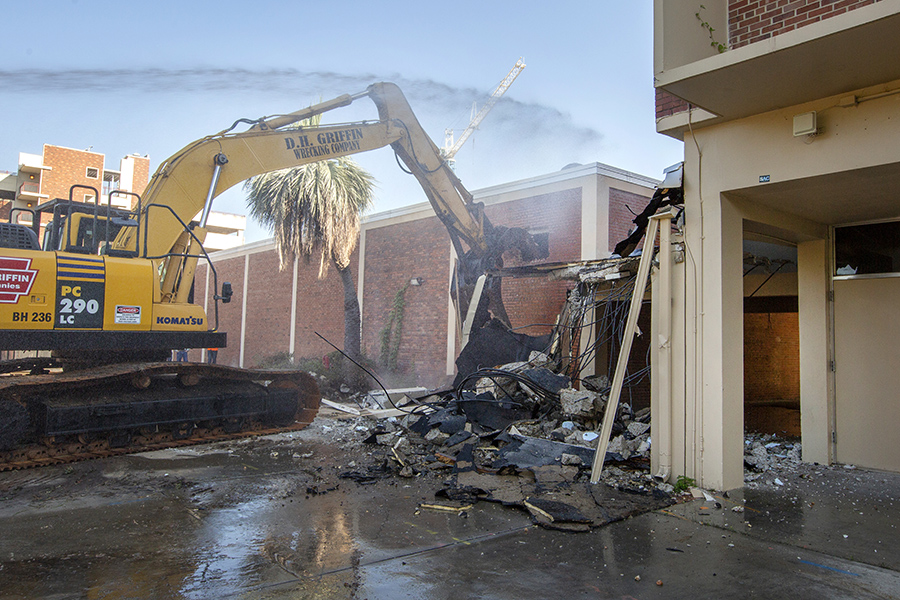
{"x":522,"y":435}
{"x":768,"y":456}
{"x":524,"y":414}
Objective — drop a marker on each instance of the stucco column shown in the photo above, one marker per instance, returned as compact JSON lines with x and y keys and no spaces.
{"x":714,"y":403}
{"x":722,"y":441}
{"x":595,"y":218}
{"x":594,"y":243}
{"x":816,"y":414}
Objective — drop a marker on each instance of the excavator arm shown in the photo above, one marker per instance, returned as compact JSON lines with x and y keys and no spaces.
{"x":187,"y":182}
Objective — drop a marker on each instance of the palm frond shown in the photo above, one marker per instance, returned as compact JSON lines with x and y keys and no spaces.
{"x":313,"y":209}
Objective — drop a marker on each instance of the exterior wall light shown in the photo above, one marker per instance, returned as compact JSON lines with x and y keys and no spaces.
{"x":805,"y":124}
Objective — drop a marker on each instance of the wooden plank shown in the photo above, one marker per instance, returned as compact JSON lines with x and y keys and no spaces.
{"x":637,"y":297}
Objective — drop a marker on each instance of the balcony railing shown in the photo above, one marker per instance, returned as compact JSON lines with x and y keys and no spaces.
{"x":33,"y":189}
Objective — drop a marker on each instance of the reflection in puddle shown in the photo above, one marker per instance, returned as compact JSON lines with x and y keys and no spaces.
{"x":258,"y":542}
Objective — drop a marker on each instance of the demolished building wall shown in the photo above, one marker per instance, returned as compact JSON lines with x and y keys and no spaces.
{"x":572,"y":207}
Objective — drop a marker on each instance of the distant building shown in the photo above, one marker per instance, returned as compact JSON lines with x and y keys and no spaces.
{"x":53,"y":173}
{"x":50,"y":175}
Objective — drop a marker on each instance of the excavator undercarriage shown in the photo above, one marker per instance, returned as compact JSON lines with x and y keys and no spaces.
{"x":116,"y":409}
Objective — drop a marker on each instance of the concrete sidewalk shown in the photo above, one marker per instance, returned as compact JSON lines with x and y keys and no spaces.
{"x":270,"y":518}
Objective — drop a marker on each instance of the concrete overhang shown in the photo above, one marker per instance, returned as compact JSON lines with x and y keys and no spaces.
{"x":839,"y":55}
{"x":842,"y":198}
{"x":32,"y":163}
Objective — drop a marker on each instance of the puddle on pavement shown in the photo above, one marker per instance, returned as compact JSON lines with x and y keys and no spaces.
{"x":184,"y":524}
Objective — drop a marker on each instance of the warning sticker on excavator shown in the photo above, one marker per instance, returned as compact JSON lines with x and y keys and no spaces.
{"x":128,"y":315}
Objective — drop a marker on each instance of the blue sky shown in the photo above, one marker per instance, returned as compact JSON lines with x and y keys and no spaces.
{"x":150,"y":77}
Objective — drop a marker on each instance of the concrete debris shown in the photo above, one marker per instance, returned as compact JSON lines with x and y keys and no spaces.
{"x":572,"y":460}
{"x":762,"y":454}
{"x":436,"y":436}
{"x":581,"y":403}
{"x":636,"y":428}
{"x":523,"y":436}
{"x":392,"y":398}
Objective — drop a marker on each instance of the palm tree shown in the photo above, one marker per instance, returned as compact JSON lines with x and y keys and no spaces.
{"x":314,"y":210}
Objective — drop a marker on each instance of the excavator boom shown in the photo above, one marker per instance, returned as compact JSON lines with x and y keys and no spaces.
{"x":188,"y":181}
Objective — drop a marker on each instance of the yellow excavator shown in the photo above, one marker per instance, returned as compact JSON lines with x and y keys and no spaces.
{"x":109,"y":292}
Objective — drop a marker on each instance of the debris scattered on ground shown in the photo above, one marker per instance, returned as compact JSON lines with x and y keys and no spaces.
{"x":767,"y":458}
{"x":520,"y":435}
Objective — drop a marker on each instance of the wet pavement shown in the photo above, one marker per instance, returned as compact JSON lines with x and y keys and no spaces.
{"x":271,"y":518}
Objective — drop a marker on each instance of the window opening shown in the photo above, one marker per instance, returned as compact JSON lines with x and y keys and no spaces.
{"x":872,"y":249}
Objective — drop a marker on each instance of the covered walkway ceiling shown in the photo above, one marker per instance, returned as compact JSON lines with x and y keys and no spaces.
{"x":869,"y":194}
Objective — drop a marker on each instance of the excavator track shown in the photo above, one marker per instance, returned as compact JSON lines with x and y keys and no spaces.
{"x":126,"y":408}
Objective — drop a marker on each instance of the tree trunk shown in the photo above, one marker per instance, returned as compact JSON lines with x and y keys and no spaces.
{"x":352,"y":320}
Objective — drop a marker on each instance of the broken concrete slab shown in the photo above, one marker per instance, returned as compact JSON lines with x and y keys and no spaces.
{"x":636,"y":428}
{"x":553,"y":501}
{"x":394,"y":398}
{"x":580,"y":403}
{"x":526,"y":452}
{"x":552,"y":512}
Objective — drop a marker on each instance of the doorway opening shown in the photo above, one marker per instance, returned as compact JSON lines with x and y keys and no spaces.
{"x":771,"y":339}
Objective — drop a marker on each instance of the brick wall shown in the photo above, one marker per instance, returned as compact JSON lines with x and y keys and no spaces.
{"x":534,"y":303}
{"x":320,"y":308}
{"x":755,"y":20}
{"x":620,"y":217}
{"x":394,"y":255}
{"x":771,"y":356}
{"x":268,"y":308}
{"x":69,"y":167}
{"x":231,"y":270}
{"x":667,"y":104}
{"x":141,"y":174}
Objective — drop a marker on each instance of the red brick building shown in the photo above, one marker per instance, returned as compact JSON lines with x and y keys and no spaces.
{"x":51,"y":174}
{"x":581,"y":209}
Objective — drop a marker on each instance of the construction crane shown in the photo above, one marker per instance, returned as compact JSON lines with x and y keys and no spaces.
{"x":450,"y":148}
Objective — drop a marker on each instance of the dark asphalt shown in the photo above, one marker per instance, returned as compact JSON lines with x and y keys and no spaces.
{"x":270,"y":518}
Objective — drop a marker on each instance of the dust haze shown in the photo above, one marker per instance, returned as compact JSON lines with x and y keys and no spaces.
{"x":509,"y":117}
{"x":156,"y":111}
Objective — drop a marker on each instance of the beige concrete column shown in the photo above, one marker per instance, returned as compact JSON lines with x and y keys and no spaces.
{"x":661,"y":388}
{"x":595,"y":218}
{"x":594,"y":244}
{"x":714,"y":398}
{"x":244,"y":309}
{"x":816,"y":381}
{"x":722,"y":435}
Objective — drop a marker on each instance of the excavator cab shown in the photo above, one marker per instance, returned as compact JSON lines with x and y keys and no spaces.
{"x":80,"y":229}
{"x":88,"y":228}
